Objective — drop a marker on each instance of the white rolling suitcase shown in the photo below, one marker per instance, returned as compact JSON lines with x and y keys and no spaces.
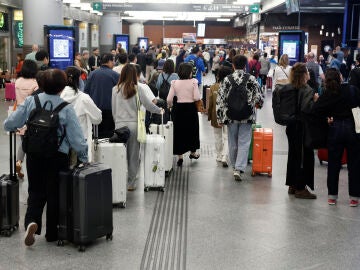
{"x":114,"y":155}
{"x":167,"y":131}
{"x":154,"y":162}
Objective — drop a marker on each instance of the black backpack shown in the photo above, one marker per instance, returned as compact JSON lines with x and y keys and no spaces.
{"x":41,"y":138}
{"x":149,"y":59}
{"x":164,"y":87}
{"x":152,"y":83}
{"x":193,"y":63}
{"x":238,"y":105}
{"x":285,"y":104}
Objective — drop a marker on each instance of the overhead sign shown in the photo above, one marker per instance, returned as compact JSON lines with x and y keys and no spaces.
{"x":170,"y":7}
{"x":97,"y":6}
{"x":255,"y":8}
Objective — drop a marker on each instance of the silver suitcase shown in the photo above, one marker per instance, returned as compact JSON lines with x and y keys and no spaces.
{"x":113,"y":155}
{"x":167,"y":131}
{"x":154,"y":162}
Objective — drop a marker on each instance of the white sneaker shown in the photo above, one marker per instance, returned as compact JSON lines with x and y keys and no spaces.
{"x":237,"y":175}
{"x":29,"y":235}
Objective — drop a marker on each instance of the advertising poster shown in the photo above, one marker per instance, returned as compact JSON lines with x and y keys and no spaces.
{"x":189,"y":37}
{"x":83,"y":34}
{"x":19,"y":34}
{"x":123,"y":40}
{"x":94,"y":36}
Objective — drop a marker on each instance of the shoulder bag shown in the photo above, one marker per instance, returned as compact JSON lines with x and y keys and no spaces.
{"x":141,"y":130}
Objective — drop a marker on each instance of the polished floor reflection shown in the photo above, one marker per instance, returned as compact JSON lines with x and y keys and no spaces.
{"x":206,"y":220}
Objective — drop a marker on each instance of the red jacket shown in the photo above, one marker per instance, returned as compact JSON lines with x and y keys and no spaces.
{"x":257,"y":65}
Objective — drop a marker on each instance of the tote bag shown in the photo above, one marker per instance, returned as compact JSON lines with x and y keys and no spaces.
{"x":356,"y":114}
{"x":141,"y":130}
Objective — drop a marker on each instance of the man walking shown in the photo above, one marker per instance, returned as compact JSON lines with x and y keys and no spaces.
{"x":310,"y":64}
{"x":238,"y":114}
{"x":198,"y":63}
{"x":94,"y":60}
{"x":99,"y":87}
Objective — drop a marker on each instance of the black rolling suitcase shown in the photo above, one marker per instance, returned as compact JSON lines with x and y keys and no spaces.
{"x":85,"y":212}
{"x":9,"y":192}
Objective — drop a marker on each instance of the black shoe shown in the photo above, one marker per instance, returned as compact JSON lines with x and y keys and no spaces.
{"x":304,"y":194}
{"x":194,"y":156}
{"x":180,"y":162}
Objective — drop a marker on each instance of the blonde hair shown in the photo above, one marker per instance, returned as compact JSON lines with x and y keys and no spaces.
{"x":284,"y":60}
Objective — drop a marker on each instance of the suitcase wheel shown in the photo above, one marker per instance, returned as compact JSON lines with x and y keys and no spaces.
{"x":253,"y":174}
{"x":162,"y":189}
{"x":81,"y":248}
{"x":123,"y":205}
{"x":6,"y":233}
{"x":109,"y":236}
{"x":321,"y":162}
{"x":146,"y":189}
{"x":60,"y":243}
{"x":269,"y":174}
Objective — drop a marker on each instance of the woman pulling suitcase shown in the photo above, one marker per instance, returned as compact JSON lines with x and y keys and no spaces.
{"x":125,"y":96}
{"x":43,"y":167}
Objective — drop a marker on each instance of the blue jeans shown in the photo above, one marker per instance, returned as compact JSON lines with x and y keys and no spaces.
{"x":239,"y":138}
{"x":342,"y":135}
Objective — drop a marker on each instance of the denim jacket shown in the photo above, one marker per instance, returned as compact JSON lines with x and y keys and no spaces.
{"x":74,"y":137}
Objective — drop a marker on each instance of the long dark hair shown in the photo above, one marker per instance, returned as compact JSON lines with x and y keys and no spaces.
{"x":332,"y":80}
{"x":128,"y":81}
{"x":73,"y":75}
{"x":312,"y":81}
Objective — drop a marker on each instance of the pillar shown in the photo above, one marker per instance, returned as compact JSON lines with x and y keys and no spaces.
{"x":351,"y":25}
{"x":38,"y":13}
{"x":110,"y":24}
{"x":136,"y":30}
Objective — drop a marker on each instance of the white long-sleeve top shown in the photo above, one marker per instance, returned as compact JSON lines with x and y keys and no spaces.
{"x":86,"y":110}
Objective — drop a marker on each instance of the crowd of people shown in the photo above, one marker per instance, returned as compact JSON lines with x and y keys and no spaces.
{"x":108,"y":90}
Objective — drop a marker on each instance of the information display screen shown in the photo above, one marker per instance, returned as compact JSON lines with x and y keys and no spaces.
{"x":292,"y":44}
{"x":201,"y":30}
{"x":61,"y":46}
{"x":4,"y":22}
{"x":143,"y":42}
{"x":124,"y":40}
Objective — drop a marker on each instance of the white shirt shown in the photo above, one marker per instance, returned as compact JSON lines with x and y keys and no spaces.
{"x":281,"y":74}
{"x":86,"y":111}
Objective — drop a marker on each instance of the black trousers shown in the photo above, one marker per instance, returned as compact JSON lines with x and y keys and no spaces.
{"x":300,"y":164}
{"x":43,"y":176}
{"x":107,"y":125}
{"x":342,"y":135}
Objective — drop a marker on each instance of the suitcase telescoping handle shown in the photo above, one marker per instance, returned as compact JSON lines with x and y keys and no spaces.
{"x":96,"y":136}
{"x":12,"y":155}
{"x":162,"y":125}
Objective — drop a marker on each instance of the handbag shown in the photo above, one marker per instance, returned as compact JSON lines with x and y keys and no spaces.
{"x":356,"y":115}
{"x":121,"y":135}
{"x":141,"y":130}
{"x":199,"y":105}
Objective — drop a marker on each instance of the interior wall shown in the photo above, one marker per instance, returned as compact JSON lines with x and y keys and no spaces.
{"x":155,"y":31}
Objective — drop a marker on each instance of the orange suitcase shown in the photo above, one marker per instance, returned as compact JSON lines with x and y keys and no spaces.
{"x":262,"y":151}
